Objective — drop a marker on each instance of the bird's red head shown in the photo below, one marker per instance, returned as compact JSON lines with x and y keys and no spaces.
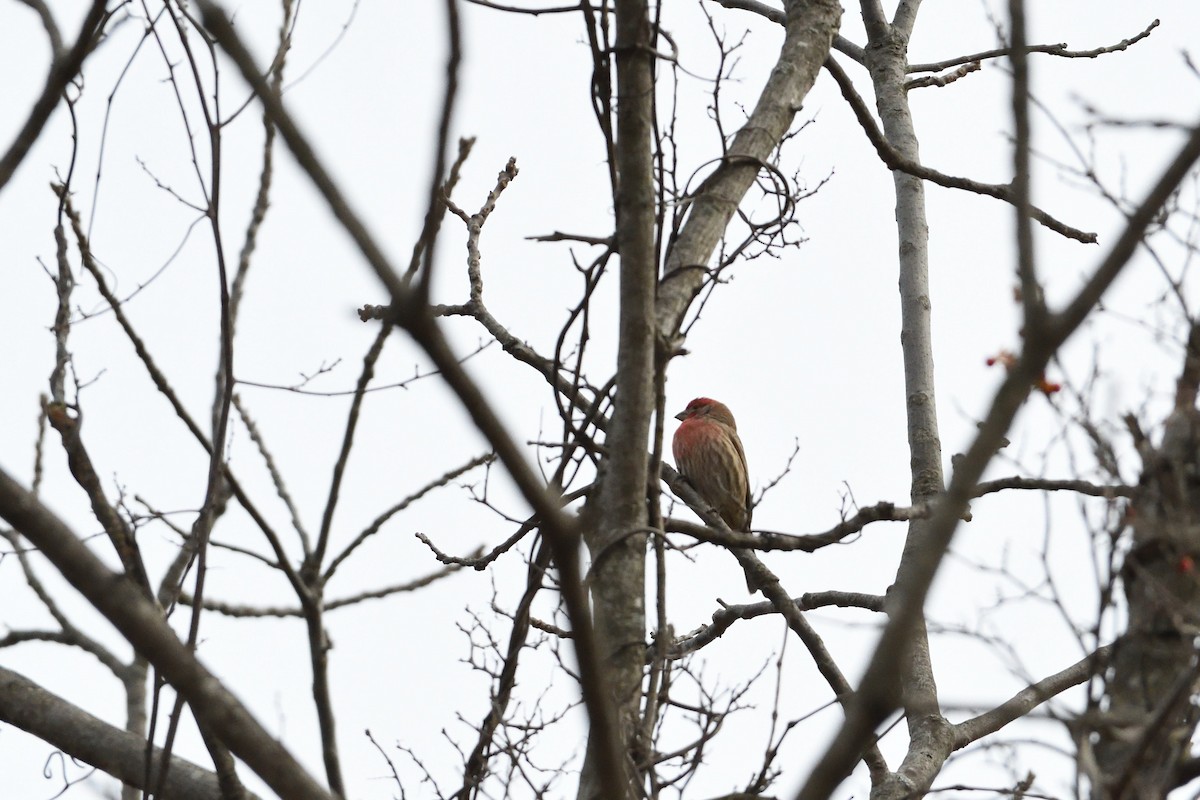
{"x":707,"y":407}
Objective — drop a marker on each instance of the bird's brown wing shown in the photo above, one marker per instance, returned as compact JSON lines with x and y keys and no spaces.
{"x":747,"y":500}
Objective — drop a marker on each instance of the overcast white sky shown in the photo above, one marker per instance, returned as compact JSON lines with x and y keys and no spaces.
{"x":804,"y":349}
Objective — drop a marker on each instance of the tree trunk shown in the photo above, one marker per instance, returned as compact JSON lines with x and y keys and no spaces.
{"x":887,"y":59}
{"x":617,"y":536}
{"x":1146,"y":730}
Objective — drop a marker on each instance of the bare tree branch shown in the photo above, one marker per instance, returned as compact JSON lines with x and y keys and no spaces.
{"x":25,"y":705}
{"x":141,"y":622}
{"x":1052,"y":49}
{"x":1029,"y":698}
{"x":413,"y":316}
{"x":770,"y":540}
{"x":374,"y":527}
{"x":911,"y":593}
{"x":1051,"y":485}
{"x":62,"y":71}
{"x":895,"y":161}
{"x":726,"y":616}
{"x":237,"y":610}
{"x":810,"y":27}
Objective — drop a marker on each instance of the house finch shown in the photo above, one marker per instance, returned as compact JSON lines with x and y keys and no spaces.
{"x":709,"y":454}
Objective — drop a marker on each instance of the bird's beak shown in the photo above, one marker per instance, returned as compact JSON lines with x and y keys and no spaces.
{"x":681,"y":416}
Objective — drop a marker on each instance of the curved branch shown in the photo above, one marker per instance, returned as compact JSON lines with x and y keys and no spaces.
{"x":770,"y":540}
{"x":896,"y":161}
{"x":759,"y":574}
{"x":26,"y":705}
{"x":1029,"y":698}
{"x":724,"y":618}
{"x":810,"y":27}
{"x":478,"y":560}
{"x":374,"y":527}
{"x":52,"y":33}
{"x":62,"y":72}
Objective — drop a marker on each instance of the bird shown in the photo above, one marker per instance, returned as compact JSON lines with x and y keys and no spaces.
{"x":710,"y":455}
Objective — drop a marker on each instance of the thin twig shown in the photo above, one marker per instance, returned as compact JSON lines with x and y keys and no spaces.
{"x":276,"y":477}
{"x":374,"y":527}
{"x":413,"y":315}
{"x":726,"y":616}
{"x":1061,"y":50}
{"x":141,"y":622}
{"x":239,"y":610}
{"x":1047,"y":485}
{"x":894,"y":160}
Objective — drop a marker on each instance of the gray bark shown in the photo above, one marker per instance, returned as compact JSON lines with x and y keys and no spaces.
{"x":886,"y":56}
{"x":25,"y":705}
{"x":809,"y":28}
{"x":616,"y":536}
{"x":874,"y":702}
{"x":619,"y":583}
{"x":1145,"y":732}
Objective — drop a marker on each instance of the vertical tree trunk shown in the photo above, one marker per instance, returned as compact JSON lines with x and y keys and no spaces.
{"x":887,"y":59}
{"x":1147,"y":728}
{"x":616,"y":536}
